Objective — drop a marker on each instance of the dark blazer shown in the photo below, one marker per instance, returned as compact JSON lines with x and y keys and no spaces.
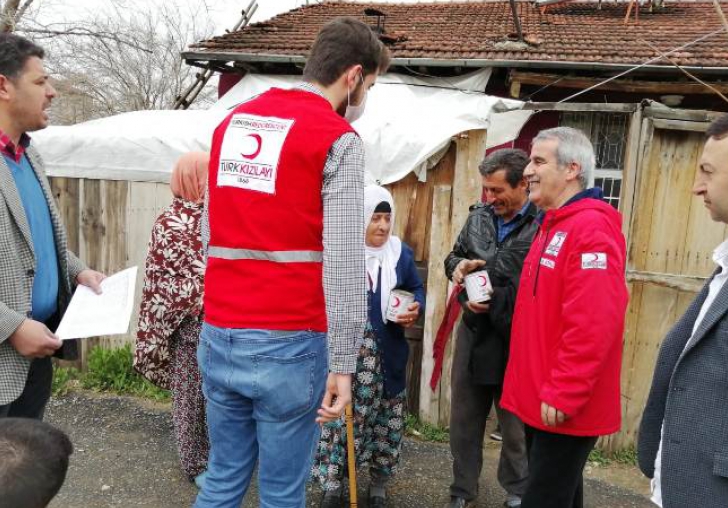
{"x":390,"y":337}
{"x":690,"y":395}
{"x":17,"y":269}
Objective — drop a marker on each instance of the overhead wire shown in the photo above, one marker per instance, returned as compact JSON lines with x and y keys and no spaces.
{"x":647,"y":62}
{"x":684,"y":71}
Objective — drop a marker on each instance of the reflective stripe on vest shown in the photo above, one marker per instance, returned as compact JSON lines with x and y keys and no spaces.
{"x":277,"y":256}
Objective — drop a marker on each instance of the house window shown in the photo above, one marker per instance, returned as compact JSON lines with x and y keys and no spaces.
{"x":608,"y":134}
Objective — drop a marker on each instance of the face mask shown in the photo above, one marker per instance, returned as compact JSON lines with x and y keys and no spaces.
{"x":353,"y":113}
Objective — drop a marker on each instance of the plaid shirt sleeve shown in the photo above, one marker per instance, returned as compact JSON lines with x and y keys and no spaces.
{"x":344,"y":276}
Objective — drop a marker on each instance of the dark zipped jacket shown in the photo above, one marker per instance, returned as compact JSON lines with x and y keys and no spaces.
{"x":504,"y":261}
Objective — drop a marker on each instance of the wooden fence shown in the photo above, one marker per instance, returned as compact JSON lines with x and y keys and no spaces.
{"x":109,"y":223}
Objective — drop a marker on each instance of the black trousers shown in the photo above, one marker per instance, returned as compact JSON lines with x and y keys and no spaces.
{"x":469,"y":410}
{"x":36,"y":394}
{"x":556,"y":464}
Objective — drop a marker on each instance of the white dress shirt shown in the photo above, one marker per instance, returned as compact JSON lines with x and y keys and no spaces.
{"x":720,"y":257}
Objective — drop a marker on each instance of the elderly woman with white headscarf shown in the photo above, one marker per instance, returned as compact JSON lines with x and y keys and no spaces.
{"x":380,"y":381}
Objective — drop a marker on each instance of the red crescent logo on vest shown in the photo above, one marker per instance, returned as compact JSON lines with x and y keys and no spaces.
{"x":259,"y":145}
{"x":397,"y":301}
{"x":594,"y":259}
{"x":483,"y":280}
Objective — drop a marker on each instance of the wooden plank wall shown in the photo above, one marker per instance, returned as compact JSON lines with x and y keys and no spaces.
{"x":413,"y":201}
{"x":442,"y":201}
{"x":108,"y":224}
{"x":671,"y":242}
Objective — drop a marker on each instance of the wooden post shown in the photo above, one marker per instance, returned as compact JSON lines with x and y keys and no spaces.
{"x":631,"y":170}
{"x":436,"y":294}
{"x":467,"y":189}
{"x":449,"y":211}
{"x":66,"y":193}
{"x":515,"y":89}
{"x":104,"y":205}
{"x":351,"y":455}
{"x":516,"y":20}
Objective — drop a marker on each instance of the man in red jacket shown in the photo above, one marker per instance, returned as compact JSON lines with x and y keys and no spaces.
{"x":563,"y":375}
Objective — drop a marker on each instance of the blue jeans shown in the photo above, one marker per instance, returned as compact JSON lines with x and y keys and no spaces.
{"x":262,"y":388}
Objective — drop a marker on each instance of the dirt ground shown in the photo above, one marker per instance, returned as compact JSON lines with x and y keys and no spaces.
{"x":125,"y":456}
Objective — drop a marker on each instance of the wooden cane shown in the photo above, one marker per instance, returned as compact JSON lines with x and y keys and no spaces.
{"x":350,"y":452}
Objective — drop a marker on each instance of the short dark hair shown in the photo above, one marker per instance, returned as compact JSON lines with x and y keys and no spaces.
{"x":719,"y":128}
{"x":14,"y":52}
{"x":512,"y":160}
{"x":34,"y":462}
{"x":340,"y":44}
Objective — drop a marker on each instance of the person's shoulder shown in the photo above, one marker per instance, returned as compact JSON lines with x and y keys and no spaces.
{"x":478,"y":210}
{"x":596,"y":223}
{"x":592,"y":229}
{"x":478,"y":207}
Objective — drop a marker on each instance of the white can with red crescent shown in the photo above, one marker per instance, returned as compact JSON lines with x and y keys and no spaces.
{"x":478,"y":286}
{"x":399,"y":301}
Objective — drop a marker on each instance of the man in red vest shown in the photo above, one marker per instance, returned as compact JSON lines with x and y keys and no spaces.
{"x":285,"y":269}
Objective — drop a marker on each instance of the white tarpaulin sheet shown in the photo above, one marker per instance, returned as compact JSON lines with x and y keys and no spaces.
{"x":407,"y":124}
{"x":138,"y":146}
{"x":408,"y":120}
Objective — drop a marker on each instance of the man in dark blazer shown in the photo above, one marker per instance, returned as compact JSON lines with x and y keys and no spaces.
{"x":38,"y":273}
{"x":683,"y":439}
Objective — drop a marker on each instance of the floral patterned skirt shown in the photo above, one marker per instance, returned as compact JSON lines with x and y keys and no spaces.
{"x":188,"y":402}
{"x":378,"y":425}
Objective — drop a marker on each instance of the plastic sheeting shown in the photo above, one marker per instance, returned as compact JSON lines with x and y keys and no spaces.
{"x":138,"y":146}
{"x":406,"y":127}
{"x":409,"y":121}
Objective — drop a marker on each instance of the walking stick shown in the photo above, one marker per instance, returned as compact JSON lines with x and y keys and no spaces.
{"x":351,"y":455}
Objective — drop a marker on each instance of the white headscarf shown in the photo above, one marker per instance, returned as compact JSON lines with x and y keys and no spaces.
{"x":386,"y":256}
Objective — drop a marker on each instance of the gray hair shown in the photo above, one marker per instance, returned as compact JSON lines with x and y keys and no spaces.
{"x":573,"y":146}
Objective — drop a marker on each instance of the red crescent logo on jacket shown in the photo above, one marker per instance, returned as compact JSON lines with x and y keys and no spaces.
{"x":258,"y":145}
{"x":594,"y":261}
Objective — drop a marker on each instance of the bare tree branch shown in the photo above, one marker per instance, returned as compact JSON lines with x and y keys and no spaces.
{"x":7,"y":16}
{"x":85,"y":32}
{"x":125,"y":60}
{"x":22,"y":11}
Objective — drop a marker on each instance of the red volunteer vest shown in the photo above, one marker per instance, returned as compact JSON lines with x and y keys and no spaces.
{"x":265,"y":257}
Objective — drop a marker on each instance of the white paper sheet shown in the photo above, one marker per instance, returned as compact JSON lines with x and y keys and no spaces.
{"x":92,"y":315}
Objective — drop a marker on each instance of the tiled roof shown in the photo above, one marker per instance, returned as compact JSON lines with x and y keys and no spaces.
{"x":568,"y":32}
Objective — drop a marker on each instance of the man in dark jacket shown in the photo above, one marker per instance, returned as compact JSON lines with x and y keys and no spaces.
{"x":496,"y":236}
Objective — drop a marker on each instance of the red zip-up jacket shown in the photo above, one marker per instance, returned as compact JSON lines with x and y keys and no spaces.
{"x":566,"y":339}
